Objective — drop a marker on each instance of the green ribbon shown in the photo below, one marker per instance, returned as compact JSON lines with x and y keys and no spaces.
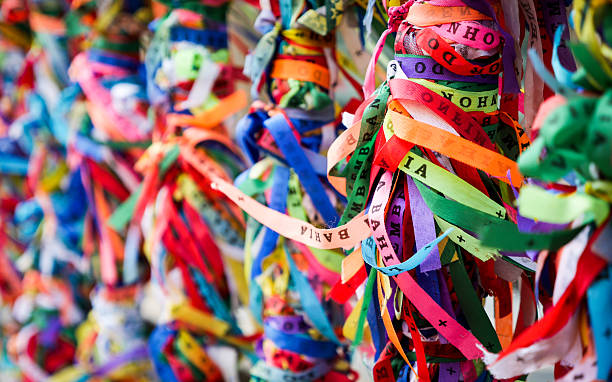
{"x":471,"y":305}
{"x":494,"y":232}
{"x":367,"y":297}
{"x":357,"y":171}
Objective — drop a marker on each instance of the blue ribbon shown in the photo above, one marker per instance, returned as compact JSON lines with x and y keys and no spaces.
{"x":301,"y":344}
{"x":599,"y":299}
{"x":209,"y":38}
{"x":295,"y":156}
{"x":368,"y":250}
{"x":310,"y":302}
{"x":278,"y":202}
{"x":157,"y":340}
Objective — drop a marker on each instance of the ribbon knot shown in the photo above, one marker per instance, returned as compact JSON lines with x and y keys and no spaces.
{"x":397,"y":15}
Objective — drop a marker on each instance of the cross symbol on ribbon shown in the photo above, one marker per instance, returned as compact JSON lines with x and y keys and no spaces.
{"x":599,"y":139}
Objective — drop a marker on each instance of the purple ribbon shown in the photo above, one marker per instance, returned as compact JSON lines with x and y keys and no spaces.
{"x":449,"y":372}
{"x":424,"y":229}
{"x":554,"y":15}
{"x":395,"y":215}
{"x":428,"y":68}
{"x":393,"y":225}
{"x":139,"y":352}
{"x":446,"y":301}
{"x":48,"y":337}
{"x":288,"y":324}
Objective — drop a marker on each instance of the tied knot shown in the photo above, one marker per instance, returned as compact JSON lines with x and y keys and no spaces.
{"x":397,"y":15}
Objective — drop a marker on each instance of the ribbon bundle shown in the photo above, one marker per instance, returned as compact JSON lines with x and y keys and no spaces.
{"x":568,"y":166}
{"x":192,"y":235}
{"x":429,"y":175}
{"x":43,"y":202}
{"x":451,"y":223}
{"x":294,"y":63}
